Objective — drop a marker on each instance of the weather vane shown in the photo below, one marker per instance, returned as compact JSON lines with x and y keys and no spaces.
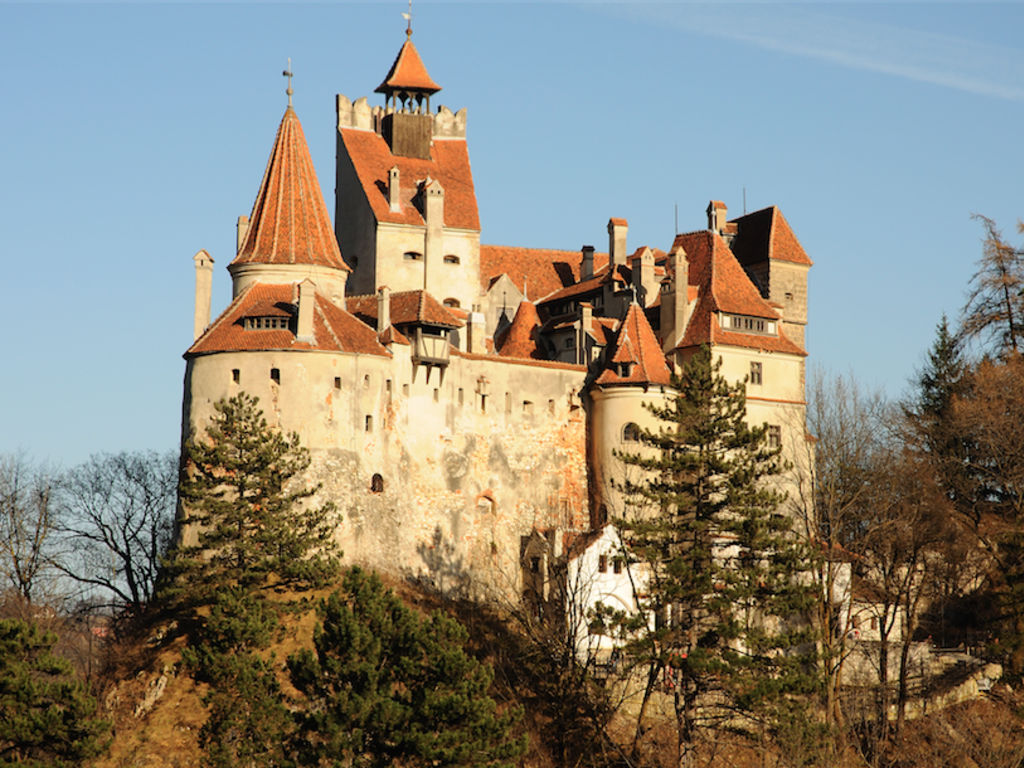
{"x":408,"y":19}
{"x":288,"y":73}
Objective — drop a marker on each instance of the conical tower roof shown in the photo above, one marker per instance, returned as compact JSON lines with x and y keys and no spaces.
{"x":289,"y":222}
{"x":408,"y":73}
{"x":636,"y":350}
{"x":523,"y":336}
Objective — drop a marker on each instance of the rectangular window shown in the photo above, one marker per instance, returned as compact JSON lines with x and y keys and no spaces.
{"x":437,"y":394}
{"x":275,"y":375}
{"x":755,"y":373}
{"x":602,"y":563}
{"x":405,"y":390}
{"x":236,"y":375}
{"x":483,"y":403}
{"x":774,"y":436}
{"x":508,"y":402}
{"x":369,"y":423}
{"x":337,"y":382}
{"x":617,"y":565}
{"x":460,"y":396}
{"x":527,"y":408}
{"x":551,"y":407}
{"x":569,"y":343}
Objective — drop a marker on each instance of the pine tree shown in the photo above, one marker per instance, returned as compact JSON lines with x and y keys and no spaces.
{"x":386,"y":687}
{"x":256,"y":538}
{"x":253,"y":529}
{"x":47,"y":717}
{"x":727,"y":577}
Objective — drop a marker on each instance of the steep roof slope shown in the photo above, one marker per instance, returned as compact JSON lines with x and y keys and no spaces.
{"x":449,"y":164}
{"x":522,"y":337}
{"x":334,"y":329}
{"x":723,"y":287}
{"x":408,"y":73}
{"x":289,"y":222}
{"x":636,"y":345}
{"x":764,"y":235}
{"x":407,"y":308}
{"x":542,"y":270}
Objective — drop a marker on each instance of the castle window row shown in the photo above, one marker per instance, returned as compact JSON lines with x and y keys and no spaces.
{"x":266,"y":323}
{"x":748,"y":324}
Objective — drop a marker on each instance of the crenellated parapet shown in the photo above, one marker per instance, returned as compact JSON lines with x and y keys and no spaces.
{"x":360,"y":115}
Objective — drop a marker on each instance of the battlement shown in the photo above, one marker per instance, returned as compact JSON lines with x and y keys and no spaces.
{"x":360,"y":115}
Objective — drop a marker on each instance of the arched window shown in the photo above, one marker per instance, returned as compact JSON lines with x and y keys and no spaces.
{"x":413,"y":256}
{"x":377,"y":484}
{"x":451,"y":303}
{"x":631,"y":433}
{"x":451,"y":259}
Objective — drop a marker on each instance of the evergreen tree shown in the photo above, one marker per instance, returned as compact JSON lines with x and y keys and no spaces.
{"x":253,"y":530}
{"x":386,"y":687}
{"x":47,"y":717}
{"x":728,"y":582}
{"x":255,"y":536}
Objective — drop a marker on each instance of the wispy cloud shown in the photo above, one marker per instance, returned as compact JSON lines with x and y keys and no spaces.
{"x":976,"y":67}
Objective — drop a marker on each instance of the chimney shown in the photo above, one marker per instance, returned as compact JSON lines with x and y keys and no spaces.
{"x":383,"y":308}
{"x":243,"y":232}
{"x":307,"y":297}
{"x":477,"y":328}
{"x":394,"y":202}
{"x":643,"y":277}
{"x":433,"y":244}
{"x":718,"y":214}
{"x":675,"y":300}
{"x":617,"y":229}
{"x":204,"y":291}
{"x":586,"y":322}
{"x":587,"y":266}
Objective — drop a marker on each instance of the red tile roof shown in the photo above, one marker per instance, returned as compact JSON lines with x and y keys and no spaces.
{"x":334,"y":329}
{"x":764,"y":235}
{"x":544,"y":270}
{"x":407,"y":308}
{"x":522,"y":337}
{"x":723,"y":287}
{"x":408,"y":73}
{"x":289,"y":222}
{"x":449,"y":164}
{"x":635,"y":343}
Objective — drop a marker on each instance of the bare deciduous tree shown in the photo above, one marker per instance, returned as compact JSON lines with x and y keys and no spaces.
{"x":26,"y":526}
{"x":116,"y":522}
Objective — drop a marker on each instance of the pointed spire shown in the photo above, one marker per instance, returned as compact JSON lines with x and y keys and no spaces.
{"x":636,"y":356}
{"x":289,"y":222}
{"x":523,"y":337}
{"x":408,"y":73}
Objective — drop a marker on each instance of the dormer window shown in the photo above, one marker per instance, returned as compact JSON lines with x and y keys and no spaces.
{"x":266,"y":323}
{"x":625,"y":369}
{"x":748,"y":324}
{"x":413,"y":256}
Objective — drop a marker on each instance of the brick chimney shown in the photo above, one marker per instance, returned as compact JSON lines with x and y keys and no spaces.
{"x":587,"y":265}
{"x":204,"y":291}
{"x":383,"y":308}
{"x":617,"y":229}
{"x":307,"y":297}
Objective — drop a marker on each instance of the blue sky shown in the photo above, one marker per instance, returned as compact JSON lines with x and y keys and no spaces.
{"x":136,"y":134}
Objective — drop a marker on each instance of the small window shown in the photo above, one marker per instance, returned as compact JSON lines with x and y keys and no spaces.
{"x":755,"y":373}
{"x":535,"y":564}
{"x":617,"y":565}
{"x":602,"y":563}
{"x":437,"y":395}
{"x":460,"y":396}
{"x":337,"y":382}
{"x":774,"y":436}
{"x":451,"y":303}
{"x":369,"y":423}
{"x":527,"y":408}
{"x":413,"y":256}
{"x":569,"y":342}
{"x":551,"y":407}
{"x":508,"y":402}
{"x":405,"y":390}
{"x":377,"y":484}
{"x":366,"y":382}
{"x":631,"y":433}
{"x":236,"y":375}
{"x":451,"y":259}
{"x":483,"y":403}
{"x":275,"y":375}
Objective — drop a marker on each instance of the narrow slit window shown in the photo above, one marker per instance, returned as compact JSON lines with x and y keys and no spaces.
{"x":369,"y":423}
{"x":275,"y":375}
{"x":377,"y":484}
{"x":236,"y":375}
{"x":337,"y":382}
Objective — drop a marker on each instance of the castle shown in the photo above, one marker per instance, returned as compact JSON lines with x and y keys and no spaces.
{"x":462,"y":402}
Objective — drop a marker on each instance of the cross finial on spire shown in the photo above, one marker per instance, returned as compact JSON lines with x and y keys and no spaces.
{"x":288,"y":73}
{"x":408,"y":20}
